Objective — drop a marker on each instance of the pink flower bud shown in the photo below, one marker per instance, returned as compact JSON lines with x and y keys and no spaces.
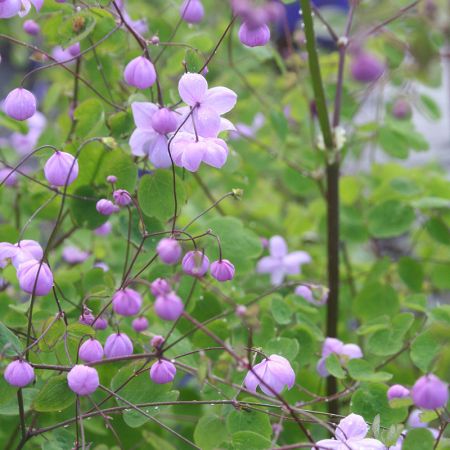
{"x":305,"y":292}
{"x":157,"y":341}
{"x":74,"y":49}
{"x":100,"y":324}
{"x":140,"y":73}
{"x":121,"y":197}
{"x":140,"y":324}
{"x":91,"y":350}
{"x":162,"y":372}
{"x":31,"y":27}
{"x":397,"y":391}
{"x":35,"y":276}
{"x":106,"y":207}
{"x":118,"y":344}
{"x":20,"y":104}
{"x":61,"y":169}
{"x":164,"y":121}
{"x":126,"y":302}
{"x":257,"y":36}
{"x":169,"y":250}
{"x":86,"y":318}
{"x":222,"y":270}
{"x":111,"y":179}
{"x":240,"y":310}
{"x":195,"y":263}
{"x":192,"y":11}
{"x":160,"y":287}
{"x":83,"y":380}
{"x":401,"y":109}
{"x":9,"y":176}
{"x":19,"y":373}
{"x":169,"y":306}
{"x":154,"y":40}
{"x":429,"y":392}
{"x":366,"y":68}
{"x":103,"y":230}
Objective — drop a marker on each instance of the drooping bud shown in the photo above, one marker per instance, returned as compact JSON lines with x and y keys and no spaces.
{"x":195,"y":263}
{"x":20,"y":104}
{"x":140,"y":73}
{"x":35,"y":277}
{"x":164,"y":121}
{"x":74,"y":49}
{"x":366,"y":68}
{"x":254,"y":36}
{"x":100,"y":324}
{"x":86,"y":318}
{"x":192,"y":11}
{"x":397,"y":391}
{"x":111,"y":179}
{"x":122,"y":197}
{"x":61,"y":169}
{"x":91,"y":350}
{"x":31,"y":27}
{"x":429,"y":392}
{"x":118,"y":344}
{"x":126,"y":302}
{"x":169,"y":250}
{"x":160,"y":287}
{"x":106,"y":207}
{"x":83,"y":380}
{"x":140,"y":324}
{"x":19,"y":373}
{"x":162,"y":372}
{"x":222,"y":270}
{"x":157,"y":341}
{"x":169,"y":306}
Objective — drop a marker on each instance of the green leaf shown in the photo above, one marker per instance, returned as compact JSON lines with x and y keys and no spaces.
{"x":376,"y":299}
{"x":390,"y":218}
{"x":155,"y":194}
{"x":333,"y":365}
{"x":361,"y":370}
{"x":54,"y":396}
{"x":286,"y":347}
{"x":371,"y":399}
{"x":438,"y":230}
{"x":430,"y":107}
{"x":281,"y":311}
{"x":75,"y":28}
{"x":12,"y":124}
{"x":418,"y":439}
{"x":90,"y":117}
{"x":424,"y":349}
{"x":83,"y":211}
{"x":432,"y":203}
{"x":411,"y":273}
{"x":9,"y":342}
{"x":244,"y":420}
{"x":121,"y":165}
{"x":193,"y":60}
{"x":53,"y":335}
{"x":248,"y":440}
{"x":209,"y":432}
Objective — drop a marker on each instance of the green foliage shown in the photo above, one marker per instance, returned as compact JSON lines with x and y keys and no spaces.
{"x":55,"y":395}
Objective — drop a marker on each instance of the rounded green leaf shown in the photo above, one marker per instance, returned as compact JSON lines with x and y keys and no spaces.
{"x":390,"y":218}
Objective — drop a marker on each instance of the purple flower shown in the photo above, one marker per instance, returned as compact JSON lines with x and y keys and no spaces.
{"x":8,"y":177}
{"x":10,"y":8}
{"x":74,"y":49}
{"x":281,"y":263}
{"x":160,"y":287}
{"x":122,"y":197}
{"x":91,"y":350}
{"x":366,"y":67}
{"x":26,"y":249}
{"x":87,"y":318}
{"x":222,"y":270}
{"x":162,"y":372}
{"x":140,"y":25}
{"x":83,"y":380}
{"x":20,"y":104}
{"x":429,"y":392}
{"x":111,"y":179}
{"x":61,"y":169}
{"x":35,"y":277}
{"x":140,"y":73}
{"x":249,"y":131}
{"x":31,"y":27}
{"x":401,"y":109}
{"x":240,"y":310}
{"x":208,"y":104}
{"x":73,"y":255}
{"x":351,"y":434}
{"x":150,"y":136}
{"x":126,"y":302}
{"x":25,"y":143}
{"x":397,"y":391}
{"x":254,"y":36}
{"x":118,"y":344}
{"x":307,"y":293}
{"x":195,"y":263}
{"x":344,"y":351}
{"x":272,"y":375}
{"x":157,"y":341}
{"x":19,"y":373}
{"x":106,"y":207}
{"x":140,"y":324}
{"x":169,"y":250}
{"x":103,"y":230}
{"x":100,"y":324}
{"x":168,"y":306}
{"x":192,"y":11}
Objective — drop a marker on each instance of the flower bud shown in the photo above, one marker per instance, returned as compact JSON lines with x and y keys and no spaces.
{"x":140,"y":73}
{"x":106,"y":207}
{"x":100,"y":324}
{"x":305,"y":292}
{"x":140,"y":324}
{"x":240,"y":310}
{"x":126,"y":302}
{"x":20,"y":104}
{"x":91,"y":350}
{"x":397,"y":391}
{"x":31,"y":27}
{"x":74,"y":49}
{"x":103,"y":230}
{"x":401,"y":109}
{"x":257,"y":36}
{"x":118,"y":344}
{"x":162,"y":372}
{"x":111,"y":179}
{"x":9,"y":175}
{"x":121,"y":197}
{"x":35,"y":276}
{"x":192,"y":11}
{"x":83,"y":380}
{"x":101,"y":265}
{"x":429,"y":392}
{"x":61,"y":169}
{"x":27,"y":249}
{"x":169,"y":306}
{"x":86,"y":318}
{"x":19,"y":373}
{"x":157,"y":341}
{"x":164,"y":121}
{"x":160,"y":287}
{"x":222,"y":270}
{"x":195,"y":263}
{"x":366,"y":68}
{"x":169,"y":250}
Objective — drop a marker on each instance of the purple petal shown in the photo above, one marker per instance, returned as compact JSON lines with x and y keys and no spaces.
{"x":321,"y":367}
{"x":193,"y":155}
{"x":142,"y":114}
{"x":368,"y":444}
{"x":277,"y":247}
{"x":293,"y":261}
{"x":332,"y":345}
{"x":216,"y":153}
{"x":330,"y":444}
{"x":251,"y":382}
{"x":267,"y":264}
{"x":9,"y":8}
{"x":159,"y":153}
{"x":207,"y":121}
{"x":226,"y":125}
{"x":277,"y":277}
{"x":142,"y":140}
{"x":192,"y":88}
{"x":221,"y":99}
{"x":352,"y":427}
{"x":352,"y":351}
{"x":37,"y":4}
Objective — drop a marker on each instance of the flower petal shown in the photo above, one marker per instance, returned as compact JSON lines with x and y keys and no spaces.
{"x":368,"y":444}
{"x":277,"y":277}
{"x":192,"y":88}
{"x":294,"y":260}
{"x":193,"y":155}
{"x":267,"y":264}
{"x":207,"y":121}
{"x":352,"y":427}
{"x":277,"y":247}
{"x":141,"y":140}
{"x":216,"y":153}
{"x":159,"y":153}
{"x":221,"y":99}
{"x":352,"y":351}
{"x":328,"y":444}
{"x":142,"y":114}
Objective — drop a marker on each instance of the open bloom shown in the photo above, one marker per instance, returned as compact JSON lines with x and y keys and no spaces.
{"x":162,"y":372}
{"x":10,"y":8}
{"x":150,"y":136}
{"x":281,"y":263}
{"x":19,"y":373}
{"x":344,"y":351}
{"x":351,"y":434}
{"x":35,"y":277}
{"x":83,"y":380}
{"x":272,"y":375}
